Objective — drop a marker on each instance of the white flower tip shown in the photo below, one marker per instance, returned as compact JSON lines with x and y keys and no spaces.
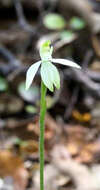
{"x":66,"y":63}
{"x":78,"y":66}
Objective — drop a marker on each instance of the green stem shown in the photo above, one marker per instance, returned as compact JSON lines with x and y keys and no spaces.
{"x":42,"y":123}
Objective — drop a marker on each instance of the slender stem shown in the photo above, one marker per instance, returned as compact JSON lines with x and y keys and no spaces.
{"x":42,"y":123}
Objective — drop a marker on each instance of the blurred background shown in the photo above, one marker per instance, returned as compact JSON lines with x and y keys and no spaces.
{"x":72,"y":126}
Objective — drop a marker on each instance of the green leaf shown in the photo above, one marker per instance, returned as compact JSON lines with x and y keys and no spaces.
{"x":77,"y":23}
{"x":31,"y":74}
{"x":66,"y":63}
{"x":54,"y":21}
{"x":31,"y":109}
{"x":50,"y":76}
{"x":3,"y":84}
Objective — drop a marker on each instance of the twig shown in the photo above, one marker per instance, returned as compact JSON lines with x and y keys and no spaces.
{"x":88,"y":56}
{"x":71,"y":104}
{"x":75,"y":92}
{"x":21,"y":18}
{"x":9,"y":57}
{"x":51,"y":4}
{"x":93,"y":75}
{"x":13,"y":63}
{"x":81,"y":77}
{"x":84,"y":9}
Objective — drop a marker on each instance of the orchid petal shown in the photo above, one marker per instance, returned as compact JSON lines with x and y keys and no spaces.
{"x":50,"y":75}
{"x":66,"y":63}
{"x":31,"y":74}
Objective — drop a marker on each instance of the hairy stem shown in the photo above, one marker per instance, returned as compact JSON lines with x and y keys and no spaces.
{"x":42,"y":123}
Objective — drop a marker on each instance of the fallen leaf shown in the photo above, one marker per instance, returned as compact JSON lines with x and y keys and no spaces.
{"x":73,"y":148}
{"x":85,"y":117}
{"x":29,"y":147}
{"x":84,"y":157}
{"x":9,"y":163}
{"x":12,"y":165}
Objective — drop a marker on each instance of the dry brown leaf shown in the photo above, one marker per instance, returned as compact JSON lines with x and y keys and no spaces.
{"x":86,"y":117}
{"x":73,"y":148}
{"x":84,"y":157}
{"x":9,"y":163}
{"x":76,"y":133}
{"x":95,"y":65}
{"x":88,"y":152}
{"x":12,"y":165}
{"x":31,"y":146}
